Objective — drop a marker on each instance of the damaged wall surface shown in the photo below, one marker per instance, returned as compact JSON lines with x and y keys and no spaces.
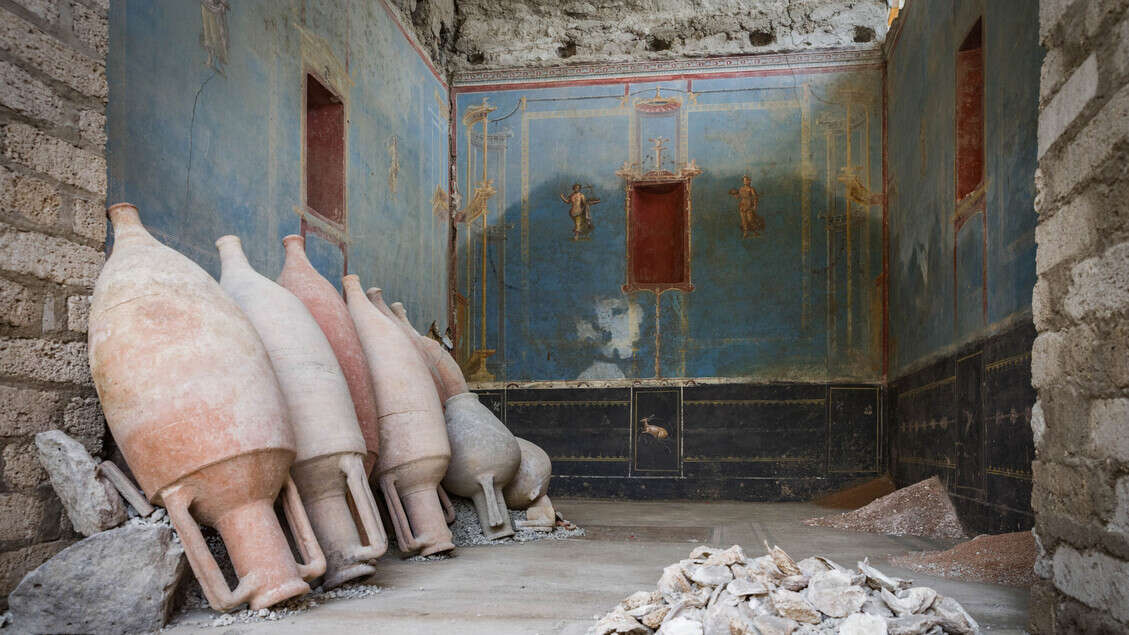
{"x":1080,"y":361}
{"x":53,"y":231}
{"x":209,"y":122}
{"x":962,"y":259}
{"x":777,"y":308}
{"x":467,"y":34}
{"x":793,"y":296}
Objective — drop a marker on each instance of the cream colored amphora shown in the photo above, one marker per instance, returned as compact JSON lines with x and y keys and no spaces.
{"x":484,"y":453}
{"x":332,"y":316}
{"x":192,"y":401}
{"x":331,"y":449}
{"x":414,"y":451}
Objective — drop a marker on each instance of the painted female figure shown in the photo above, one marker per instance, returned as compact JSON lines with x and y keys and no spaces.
{"x":747,"y":199}
{"x":580,"y":209}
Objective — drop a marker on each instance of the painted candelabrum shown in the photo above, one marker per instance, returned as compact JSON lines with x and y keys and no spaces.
{"x":192,"y":401}
{"x":658,"y":202}
{"x":476,"y":119}
{"x":331,"y":449}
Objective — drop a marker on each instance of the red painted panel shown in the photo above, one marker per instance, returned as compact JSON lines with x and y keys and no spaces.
{"x":658,"y":233}
{"x":970,"y":120}
{"x":325,"y":152}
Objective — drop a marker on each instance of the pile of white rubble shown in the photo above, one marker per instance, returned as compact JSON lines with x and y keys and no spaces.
{"x":723,"y":592}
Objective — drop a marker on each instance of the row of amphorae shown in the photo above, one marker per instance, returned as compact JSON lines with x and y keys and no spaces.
{"x":225,"y":397}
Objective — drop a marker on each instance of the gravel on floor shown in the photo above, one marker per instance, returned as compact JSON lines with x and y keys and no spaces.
{"x":1001,"y":559}
{"x":922,"y":509}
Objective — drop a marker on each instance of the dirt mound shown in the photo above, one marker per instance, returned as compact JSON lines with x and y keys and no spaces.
{"x":1002,"y":559}
{"x":859,"y":495}
{"x":922,"y":509}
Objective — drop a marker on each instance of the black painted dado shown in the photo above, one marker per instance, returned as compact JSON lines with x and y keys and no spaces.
{"x":762,"y":442}
{"x":967,"y":419}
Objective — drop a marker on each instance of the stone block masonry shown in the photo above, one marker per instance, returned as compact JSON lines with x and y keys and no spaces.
{"x":52,"y":244}
{"x":1080,"y":360}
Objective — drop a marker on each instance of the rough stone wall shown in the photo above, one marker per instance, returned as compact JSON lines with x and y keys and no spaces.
{"x":434,"y":23}
{"x":52,"y":243}
{"x":474,"y":34}
{"x":1080,"y":360}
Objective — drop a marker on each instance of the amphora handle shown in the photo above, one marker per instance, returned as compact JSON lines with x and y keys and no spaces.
{"x":404,"y":537}
{"x":177,"y":500}
{"x":353,"y":467}
{"x":303,"y":532}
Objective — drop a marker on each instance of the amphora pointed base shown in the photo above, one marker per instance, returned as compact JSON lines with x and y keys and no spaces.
{"x":324,"y":483}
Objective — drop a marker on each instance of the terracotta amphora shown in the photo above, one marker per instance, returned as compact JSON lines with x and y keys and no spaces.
{"x":451,"y":380}
{"x":529,"y":489}
{"x":325,"y":304}
{"x":414,"y":449}
{"x":484,"y":453}
{"x":193,"y":403}
{"x":376,"y":296}
{"x":331,"y":450}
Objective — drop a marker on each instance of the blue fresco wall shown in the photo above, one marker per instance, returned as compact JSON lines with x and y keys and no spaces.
{"x":801,"y":302}
{"x":936,"y":298}
{"x":960,"y":396}
{"x":207,"y":140}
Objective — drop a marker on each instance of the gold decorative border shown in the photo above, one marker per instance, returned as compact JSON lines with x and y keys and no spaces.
{"x":925,"y":387}
{"x":1009,"y":473}
{"x":521,"y":404}
{"x":654,"y":382}
{"x":753,"y":402}
{"x":639,"y":71}
{"x":913,"y":460}
{"x":589,"y":459}
{"x":1008,"y":361}
{"x":750,"y":459}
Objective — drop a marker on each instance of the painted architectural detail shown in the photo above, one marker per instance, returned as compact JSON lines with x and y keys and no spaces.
{"x":440,"y":203}
{"x":393,"y":164}
{"x":810,"y":308}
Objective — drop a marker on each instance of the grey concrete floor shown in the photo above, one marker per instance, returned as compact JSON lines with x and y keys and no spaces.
{"x":560,"y":586}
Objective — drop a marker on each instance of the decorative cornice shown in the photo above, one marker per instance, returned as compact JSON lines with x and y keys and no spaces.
{"x":764,"y":61}
{"x":673,"y":382}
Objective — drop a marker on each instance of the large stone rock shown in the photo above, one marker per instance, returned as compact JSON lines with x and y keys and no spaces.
{"x":682,"y":625}
{"x":954,"y":619}
{"x":772,"y":625}
{"x":832,"y":593}
{"x":911,"y":601}
{"x":711,"y":575}
{"x":118,"y":581}
{"x":731,"y":556}
{"x":618,"y":623}
{"x":92,"y":504}
{"x":911,"y":624}
{"x":743,"y":586}
{"x":673,"y":583}
{"x":862,"y":624}
{"x":794,"y":606}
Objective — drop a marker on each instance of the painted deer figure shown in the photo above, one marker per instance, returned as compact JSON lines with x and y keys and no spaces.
{"x":646,"y":427}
